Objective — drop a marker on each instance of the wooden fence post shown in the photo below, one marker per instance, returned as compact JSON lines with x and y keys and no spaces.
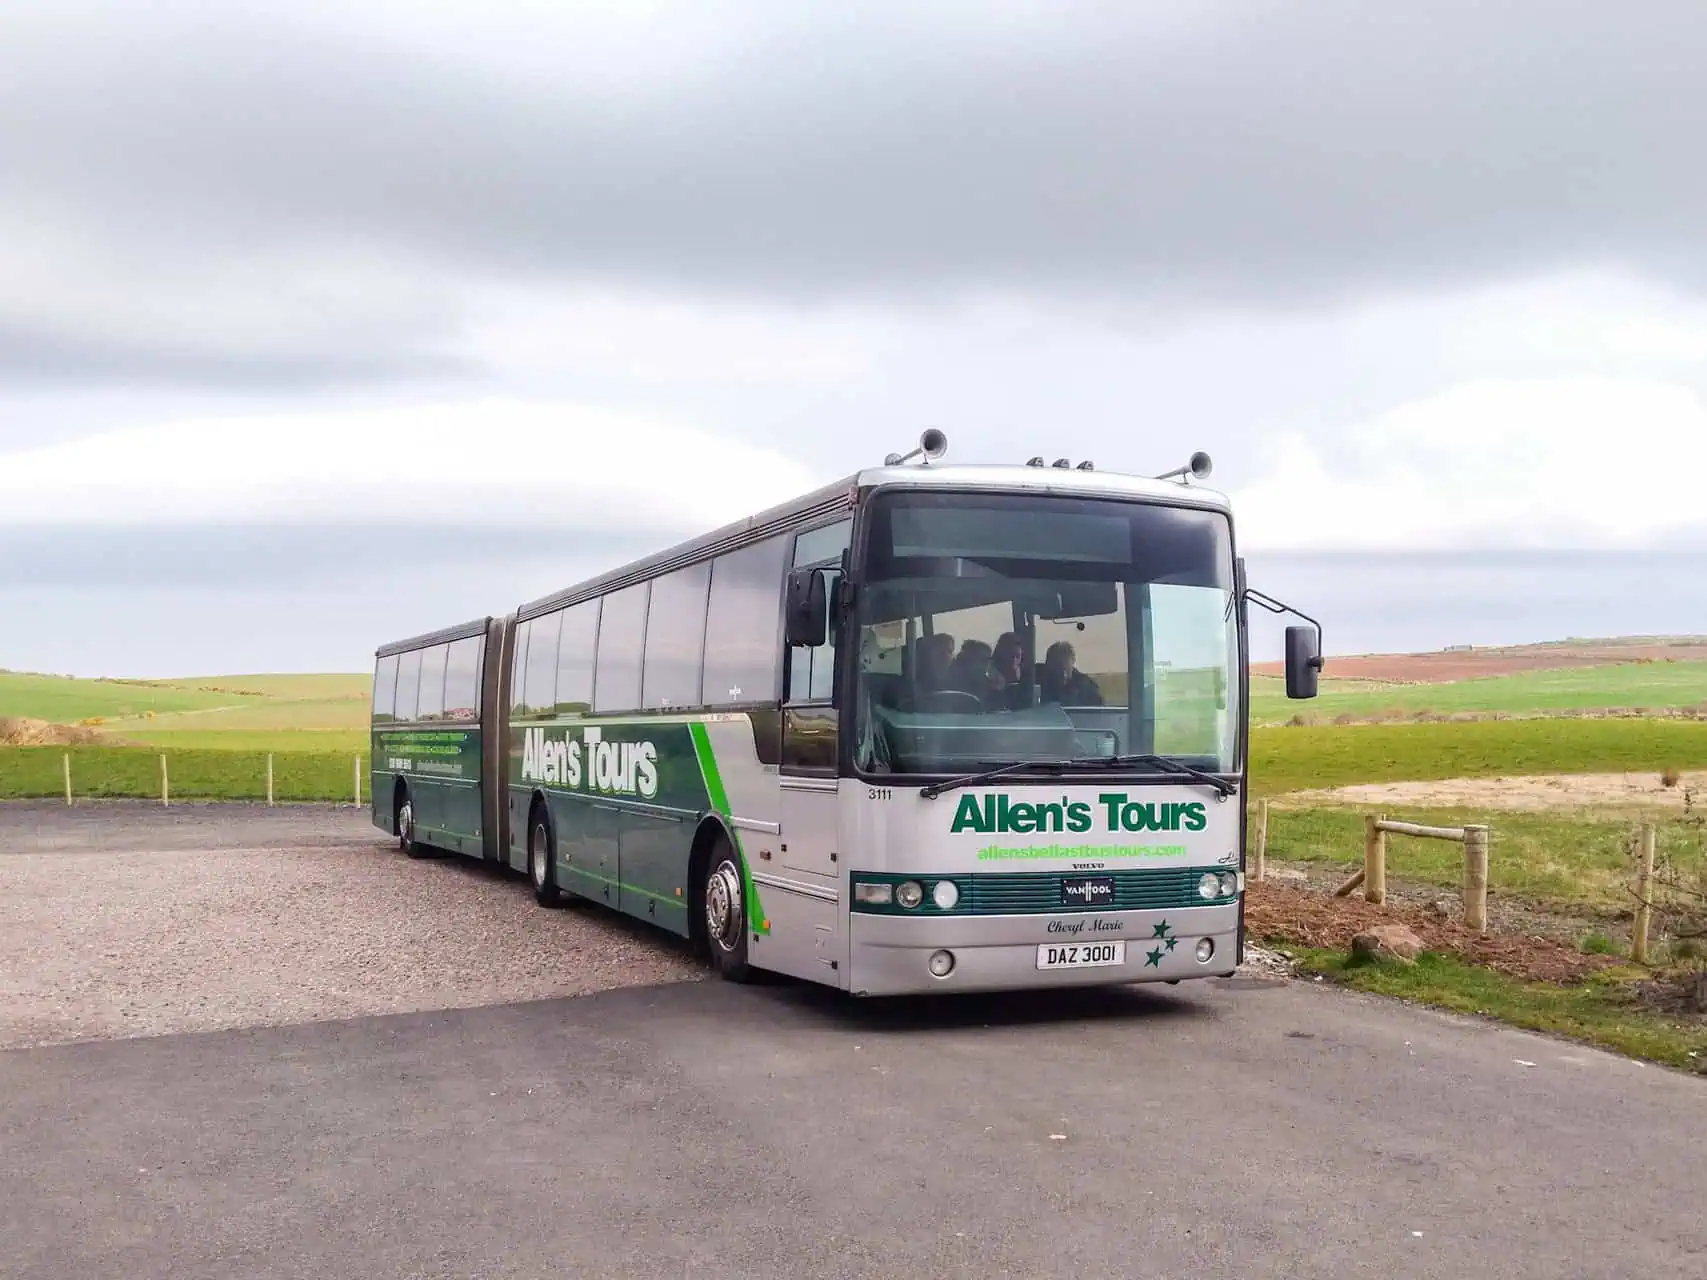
{"x":269,"y":779}
{"x":165,"y":794}
{"x":1644,"y":895}
{"x":1374,"y":859}
{"x":1476,"y":878}
{"x":1260,"y":870}
{"x":67,"y":779}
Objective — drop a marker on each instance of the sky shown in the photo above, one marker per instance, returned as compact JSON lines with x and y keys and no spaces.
{"x":326,"y":324}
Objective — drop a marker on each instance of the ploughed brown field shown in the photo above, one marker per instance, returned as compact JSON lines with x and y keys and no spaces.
{"x":1469,"y":664}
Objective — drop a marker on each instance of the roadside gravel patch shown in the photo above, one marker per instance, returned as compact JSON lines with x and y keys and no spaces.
{"x":337,"y":924}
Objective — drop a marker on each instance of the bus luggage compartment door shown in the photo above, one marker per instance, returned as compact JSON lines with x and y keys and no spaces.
{"x":809,"y":814}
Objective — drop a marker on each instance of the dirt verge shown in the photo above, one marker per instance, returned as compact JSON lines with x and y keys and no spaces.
{"x":1311,"y":919}
{"x":1537,"y":793}
{"x":20,"y":731}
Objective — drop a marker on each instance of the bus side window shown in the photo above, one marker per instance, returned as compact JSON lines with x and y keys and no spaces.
{"x":812,"y":672}
{"x":518,"y":670}
{"x":385,"y":689}
{"x":742,"y":625}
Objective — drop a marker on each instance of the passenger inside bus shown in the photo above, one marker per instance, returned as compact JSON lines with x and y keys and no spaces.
{"x":932,"y":661}
{"x":1061,"y":681}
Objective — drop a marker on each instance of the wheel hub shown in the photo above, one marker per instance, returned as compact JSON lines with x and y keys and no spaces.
{"x":536,"y":856}
{"x":723,"y":906}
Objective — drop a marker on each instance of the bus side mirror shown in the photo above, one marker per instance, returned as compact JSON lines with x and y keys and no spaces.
{"x":1303,"y":661}
{"x":808,"y":619}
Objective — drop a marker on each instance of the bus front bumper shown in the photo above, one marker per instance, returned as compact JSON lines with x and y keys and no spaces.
{"x":892,"y":955}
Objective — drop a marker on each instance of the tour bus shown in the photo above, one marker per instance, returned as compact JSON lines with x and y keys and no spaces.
{"x":935,"y":727}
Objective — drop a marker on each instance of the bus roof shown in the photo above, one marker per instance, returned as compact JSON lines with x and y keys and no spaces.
{"x":1066,"y":481}
{"x":841,"y":495}
{"x":461,"y":631}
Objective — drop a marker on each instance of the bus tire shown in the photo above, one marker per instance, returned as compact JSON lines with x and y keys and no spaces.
{"x":723,"y":911}
{"x":405,"y":823}
{"x":542,"y":859}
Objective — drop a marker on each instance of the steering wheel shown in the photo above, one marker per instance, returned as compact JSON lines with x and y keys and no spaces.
{"x":953,"y":701}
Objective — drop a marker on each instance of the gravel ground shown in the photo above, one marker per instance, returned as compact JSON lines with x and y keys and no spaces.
{"x":130,"y":920}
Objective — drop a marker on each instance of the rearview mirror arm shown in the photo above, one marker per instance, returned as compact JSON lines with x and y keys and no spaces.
{"x":1277,"y":606}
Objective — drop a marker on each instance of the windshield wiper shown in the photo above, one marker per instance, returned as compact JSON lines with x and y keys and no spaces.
{"x":973,"y":779}
{"x":1221,"y":785}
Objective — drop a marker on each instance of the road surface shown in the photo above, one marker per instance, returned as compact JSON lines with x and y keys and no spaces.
{"x":1241,"y":1129}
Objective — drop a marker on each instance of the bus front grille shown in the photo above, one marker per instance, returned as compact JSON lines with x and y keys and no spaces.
{"x":1016,"y":893}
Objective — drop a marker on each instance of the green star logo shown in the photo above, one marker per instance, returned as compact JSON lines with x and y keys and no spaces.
{"x":1153,"y":958}
{"x":1160,"y":930}
{"x":1172,"y":943}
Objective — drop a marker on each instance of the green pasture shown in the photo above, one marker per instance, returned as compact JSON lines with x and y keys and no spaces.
{"x":194,"y":774}
{"x":1314,"y":756}
{"x":172,"y":738}
{"x":1650,"y":686}
{"x":66,"y":701}
{"x":241,"y":712}
{"x":1282,"y":759}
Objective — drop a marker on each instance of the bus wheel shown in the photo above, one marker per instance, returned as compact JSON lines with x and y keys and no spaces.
{"x":542,"y":860}
{"x":406,"y":825}
{"x":724,"y":910}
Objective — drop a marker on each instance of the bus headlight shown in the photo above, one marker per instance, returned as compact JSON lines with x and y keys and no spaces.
{"x":945,"y":895}
{"x":909,"y":894}
{"x":1205,"y":950}
{"x":1229,"y":884}
{"x":1209,"y":886}
{"x":941,"y":963}
{"x":877,"y":894}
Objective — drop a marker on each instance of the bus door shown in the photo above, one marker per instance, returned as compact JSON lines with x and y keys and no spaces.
{"x":808,"y":810}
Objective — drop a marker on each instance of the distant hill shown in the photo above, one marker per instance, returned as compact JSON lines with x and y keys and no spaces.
{"x":240,"y":710}
{"x":1470,"y":662}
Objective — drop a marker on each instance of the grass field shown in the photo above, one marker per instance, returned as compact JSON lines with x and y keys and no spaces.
{"x":67,"y":701}
{"x":1574,"y":861}
{"x":1282,"y":760}
{"x":1650,"y":686}
{"x":1293,"y":759}
{"x":277,"y":712}
{"x":243,"y":712}
{"x":194,"y":774}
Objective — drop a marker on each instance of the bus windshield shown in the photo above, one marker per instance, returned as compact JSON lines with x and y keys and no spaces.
{"x":995,"y":629}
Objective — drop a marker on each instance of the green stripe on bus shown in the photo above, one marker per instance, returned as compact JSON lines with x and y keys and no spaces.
{"x":596,"y":878}
{"x":720,"y":802}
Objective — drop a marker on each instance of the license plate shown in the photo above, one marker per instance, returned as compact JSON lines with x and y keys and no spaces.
{"x":1087,"y":891}
{"x":1080,"y":955}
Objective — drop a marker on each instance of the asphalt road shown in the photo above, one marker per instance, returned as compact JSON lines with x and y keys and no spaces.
{"x":700,"y":1129}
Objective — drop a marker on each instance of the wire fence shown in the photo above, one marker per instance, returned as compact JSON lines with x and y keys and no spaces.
{"x":115,"y":773}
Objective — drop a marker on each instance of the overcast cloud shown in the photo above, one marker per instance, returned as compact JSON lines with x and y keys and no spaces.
{"x":1419,"y":276}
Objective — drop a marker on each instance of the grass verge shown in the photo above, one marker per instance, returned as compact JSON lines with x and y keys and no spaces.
{"x":1601,"y":1011}
{"x":129,"y":772}
{"x":1572,"y":859}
